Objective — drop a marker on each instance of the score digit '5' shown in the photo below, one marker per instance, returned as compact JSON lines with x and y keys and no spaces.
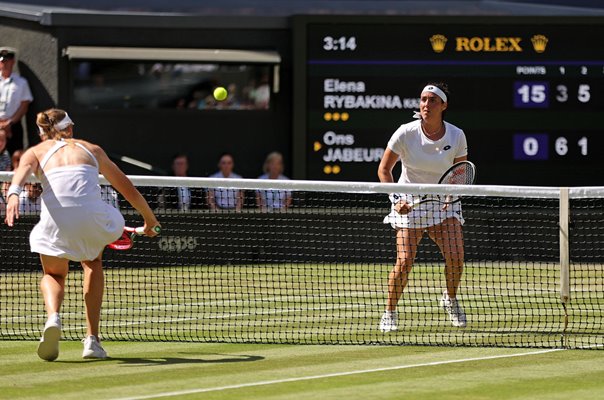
{"x":536,"y":94}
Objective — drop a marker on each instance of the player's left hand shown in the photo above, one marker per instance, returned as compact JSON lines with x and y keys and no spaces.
{"x":448,"y":198}
{"x":12,"y":210}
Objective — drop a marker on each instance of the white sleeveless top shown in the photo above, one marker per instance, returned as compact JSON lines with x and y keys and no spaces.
{"x":75,"y":223}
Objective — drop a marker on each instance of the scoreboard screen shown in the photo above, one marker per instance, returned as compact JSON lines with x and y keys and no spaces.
{"x":528,"y":93}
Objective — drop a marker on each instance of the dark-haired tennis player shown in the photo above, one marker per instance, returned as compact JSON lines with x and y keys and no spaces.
{"x":426,"y":147}
{"x":75,"y":223}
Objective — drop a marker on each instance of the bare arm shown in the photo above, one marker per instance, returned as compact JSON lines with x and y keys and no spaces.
{"x":239,"y":205}
{"x":459,"y":159}
{"x":259,"y":201}
{"x":289,"y":200}
{"x":122,"y":184}
{"x":28,"y":164}
{"x":211,"y":200}
{"x":20,"y":112}
{"x":389,"y":159}
{"x":16,"y":118}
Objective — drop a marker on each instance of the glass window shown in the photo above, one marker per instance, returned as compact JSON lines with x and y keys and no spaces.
{"x":121,"y":84}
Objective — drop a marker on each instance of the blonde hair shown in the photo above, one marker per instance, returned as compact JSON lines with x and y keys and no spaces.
{"x":46,"y":121}
{"x":275,"y":155}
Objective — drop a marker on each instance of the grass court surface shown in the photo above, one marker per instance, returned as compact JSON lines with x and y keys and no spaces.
{"x":244,"y":371}
{"x":508,"y":304}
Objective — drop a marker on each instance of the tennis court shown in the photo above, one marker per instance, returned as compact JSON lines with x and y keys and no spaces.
{"x":248,"y":371}
{"x":287,"y":305}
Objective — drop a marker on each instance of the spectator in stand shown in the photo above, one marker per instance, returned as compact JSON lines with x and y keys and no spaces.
{"x":269,"y":200}
{"x":15,"y":97}
{"x":261,"y":95}
{"x":5,"y":165}
{"x":5,"y":161}
{"x":181,"y":198}
{"x":232,"y":101}
{"x":29,"y":198}
{"x":221,"y":198}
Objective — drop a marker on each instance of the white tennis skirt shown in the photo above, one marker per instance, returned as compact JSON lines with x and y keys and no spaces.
{"x":424,"y":215}
{"x":76,"y":233}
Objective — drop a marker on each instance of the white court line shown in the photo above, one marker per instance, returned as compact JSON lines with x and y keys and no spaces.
{"x":290,"y":298}
{"x":331,"y":375}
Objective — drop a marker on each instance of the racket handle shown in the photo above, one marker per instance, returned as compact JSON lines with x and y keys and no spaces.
{"x":415,"y":203}
{"x":140,"y":230}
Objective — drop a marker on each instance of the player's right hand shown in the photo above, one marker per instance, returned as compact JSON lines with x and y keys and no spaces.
{"x":402,"y":207}
{"x":149,"y":227}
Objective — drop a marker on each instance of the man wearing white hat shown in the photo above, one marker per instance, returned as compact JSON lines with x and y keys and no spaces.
{"x":15,"y":97}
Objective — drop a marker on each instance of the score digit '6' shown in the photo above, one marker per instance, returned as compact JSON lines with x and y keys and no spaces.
{"x":534,"y":146}
{"x":561,"y":146}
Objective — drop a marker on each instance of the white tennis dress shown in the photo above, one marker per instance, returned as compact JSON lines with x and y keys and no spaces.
{"x":75,"y":223}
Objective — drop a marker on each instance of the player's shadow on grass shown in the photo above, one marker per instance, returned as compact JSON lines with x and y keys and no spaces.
{"x":210,"y":358}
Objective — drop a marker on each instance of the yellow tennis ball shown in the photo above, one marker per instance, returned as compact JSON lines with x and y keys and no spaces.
{"x":220,"y":93}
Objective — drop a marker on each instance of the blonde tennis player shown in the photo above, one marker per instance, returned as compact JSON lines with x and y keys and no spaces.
{"x":426,"y":147}
{"x":75,"y":224}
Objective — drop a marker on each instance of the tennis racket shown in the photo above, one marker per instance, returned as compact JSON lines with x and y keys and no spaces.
{"x":461,"y":173}
{"x":126,"y":241}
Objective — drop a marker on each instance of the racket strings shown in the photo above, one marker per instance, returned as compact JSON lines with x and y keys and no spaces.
{"x":462,"y":175}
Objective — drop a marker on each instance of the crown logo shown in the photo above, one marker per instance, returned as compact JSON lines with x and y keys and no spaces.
{"x":539,"y":43}
{"x":438,"y":43}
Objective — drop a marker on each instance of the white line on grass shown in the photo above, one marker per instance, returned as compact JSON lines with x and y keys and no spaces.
{"x":331,"y":375}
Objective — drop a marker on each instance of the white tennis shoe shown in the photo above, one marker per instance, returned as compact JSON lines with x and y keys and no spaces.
{"x":457,"y":316}
{"x":93,"y":349}
{"x":389,"y":322}
{"x":48,"y":349}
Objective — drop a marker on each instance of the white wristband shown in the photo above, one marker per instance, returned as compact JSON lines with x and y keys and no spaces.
{"x":14,"y":189}
{"x":396,"y":197}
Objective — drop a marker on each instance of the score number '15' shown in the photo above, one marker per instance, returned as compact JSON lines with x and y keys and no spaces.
{"x":536,"y":94}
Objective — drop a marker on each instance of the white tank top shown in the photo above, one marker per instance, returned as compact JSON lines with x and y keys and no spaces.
{"x":69,"y":185}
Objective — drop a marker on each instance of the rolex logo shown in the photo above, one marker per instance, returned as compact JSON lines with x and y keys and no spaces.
{"x":539,"y":43}
{"x":438,"y":43}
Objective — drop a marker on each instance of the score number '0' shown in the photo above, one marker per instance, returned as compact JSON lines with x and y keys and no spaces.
{"x":535,"y":146}
{"x":536,"y":94}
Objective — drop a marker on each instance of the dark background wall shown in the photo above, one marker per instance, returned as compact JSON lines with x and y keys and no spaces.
{"x":42,"y":32}
{"x":155,"y":136}
{"x":37,"y":62}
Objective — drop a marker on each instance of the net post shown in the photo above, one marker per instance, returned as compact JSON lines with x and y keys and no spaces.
{"x":564,"y":246}
{"x":564,"y":259}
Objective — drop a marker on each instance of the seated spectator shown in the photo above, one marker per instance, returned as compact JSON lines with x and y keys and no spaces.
{"x":269,"y":200}
{"x":29,"y":198}
{"x":110,"y":196}
{"x":261,"y":95}
{"x":181,"y":198}
{"x":5,"y":161}
{"x":15,"y":99}
{"x":221,"y":198}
